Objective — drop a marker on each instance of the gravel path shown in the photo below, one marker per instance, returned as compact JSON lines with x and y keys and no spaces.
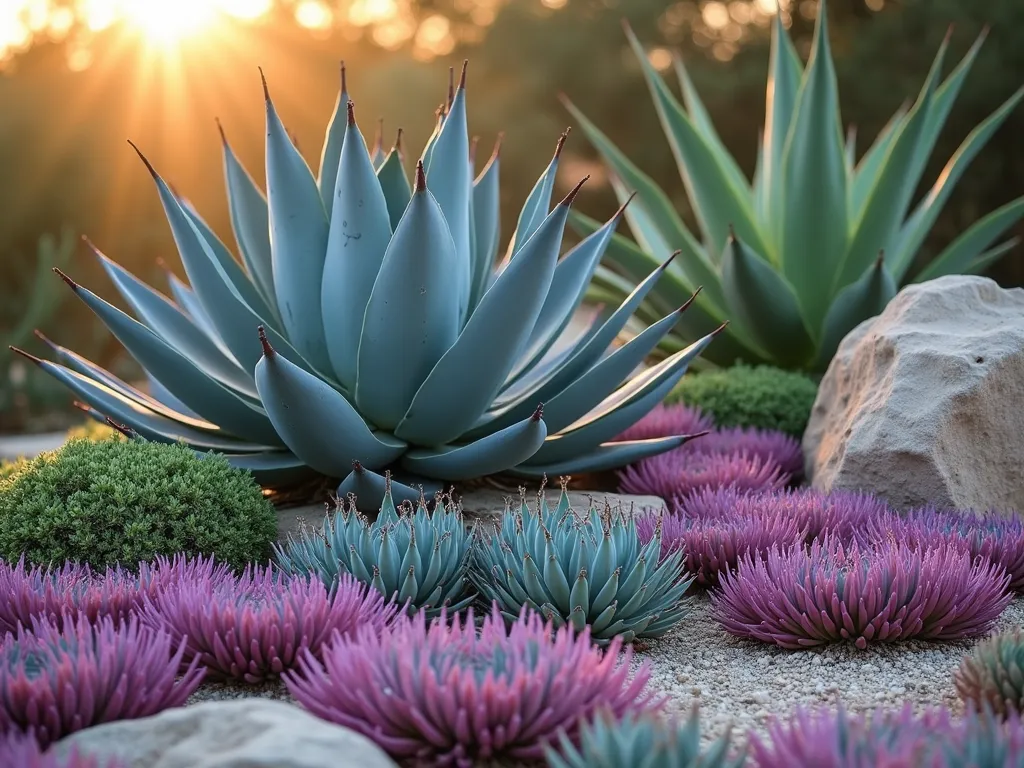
{"x":741,"y":683}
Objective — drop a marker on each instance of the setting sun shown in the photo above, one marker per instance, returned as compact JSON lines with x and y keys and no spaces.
{"x":164,"y":23}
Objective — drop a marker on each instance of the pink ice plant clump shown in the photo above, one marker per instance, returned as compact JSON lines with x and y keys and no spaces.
{"x":992,"y":536}
{"x":54,"y":682}
{"x":676,"y":474}
{"x":826,"y":738}
{"x":714,"y":545}
{"x":254,"y":626}
{"x":841,"y":515}
{"x":832,"y":593}
{"x":446,"y":694}
{"x":767,"y":444}
{"x":76,"y":590}
{"x":22,"y":751}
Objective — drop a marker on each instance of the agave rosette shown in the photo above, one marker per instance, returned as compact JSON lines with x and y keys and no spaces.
{"x":389,"y":336}
{"x":816,"y":242}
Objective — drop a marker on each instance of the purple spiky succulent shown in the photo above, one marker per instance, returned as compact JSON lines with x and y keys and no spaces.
{"x":22,"y":751}
{"x":57,"y":681}
{"x":445,"y":694}
{"x":74,"y":590}
{"x":678,"y":473}
{"x":668,"y":420}
{"x":990,"y":535}
{"x":841,"y":515}
{"x":254,"y":626}
{"x":713,"y":546}
{"x":770,"y":445}
{"x":829,"y":738}
{"x":832,"y":593}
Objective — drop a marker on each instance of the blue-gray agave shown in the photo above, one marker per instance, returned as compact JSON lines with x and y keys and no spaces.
{"x":389,"y":337}
{"x":407,"y":553}
{"x":581,"y":569}
{"x":641,"y":740}
{"x":793,"y":256}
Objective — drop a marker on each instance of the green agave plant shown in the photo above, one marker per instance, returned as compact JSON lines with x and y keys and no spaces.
{"x":387,"y":336}
{"x":582,"y":569}
{"x":641,"y":740}
{"x":407,"y":553}
{"x":993,"y":674}
{"x":817,"y":242}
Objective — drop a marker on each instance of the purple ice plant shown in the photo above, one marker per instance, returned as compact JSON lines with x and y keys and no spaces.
{"x":996,"y":537}
{"x":57,"y":681}
{"x":713,"y":546}
{"x":22,"y":751}
{"x":77,"y":590}
{"x":841,"y":515}
{"x":446,"y":694}
{"x":832,"y":593}
{"x":254,"y":626}
{"x":681,"y":472}
{"x":771,"y":446}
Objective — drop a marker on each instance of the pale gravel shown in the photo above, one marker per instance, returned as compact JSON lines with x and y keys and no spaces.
{"x":739,"y":685}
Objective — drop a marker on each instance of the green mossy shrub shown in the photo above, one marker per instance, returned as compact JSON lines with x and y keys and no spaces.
{"x":122,"y":501}
{"x":742,"y":396}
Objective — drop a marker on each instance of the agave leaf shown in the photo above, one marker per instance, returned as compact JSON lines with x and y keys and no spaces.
{"x":569,"y":283}
{"x":359,"y":235}
{"x":963,"y":251}
{"x":370,"y":488}
{"x":233,"y":318}
{"x":160,"y":393}
{"x":450,"y":177}
{"x":187,"y":301}
{"x":611,"y":288}
{"x":886,"y":206}
{"x":619,"y":411}
{"x":592,"y":387}
{"x":702,"y":120}
{"x":249,"y":222}
{"x":537,"y":205}
{"x":187,"y":382}
{"x":850,"y":152}
{"x":277,"y":469}
{"x":717,"y":202}
{"x":860,"y":300}
{"x":486,"y":224}
{"x":334,"y":139}
{"x":449,"y":402}
{"x":603,"y":458}
{"x":173,"y":326}
{"x":814,"y":180}
{"x":945,"y":96}
{"x":784,"y":75}
{"x":316,"y":423}
{"x":241,"y":283}
{"x":991,"y":256}
{"x":298,"y":241}
{"x":765,"y":304}
{"x":415,"y":276}
{"x":395,"y":184}
{"x":485,"y":456}
{"x":866,"y":174}
{"x":920,"y":223}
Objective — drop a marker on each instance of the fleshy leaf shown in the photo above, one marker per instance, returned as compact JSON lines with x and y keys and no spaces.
{"x":537,"y":204}
{"x":359,"y":235}
{"x":963,"y":251}
{"x":486,"y":224}
{"x":603,"y":458}
{"x":334,"y":138}
{"x":860,"y":300}
{"x":394,"y":183}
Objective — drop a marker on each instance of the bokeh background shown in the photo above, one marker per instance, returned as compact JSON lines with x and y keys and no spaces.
{"x":79,"y":77}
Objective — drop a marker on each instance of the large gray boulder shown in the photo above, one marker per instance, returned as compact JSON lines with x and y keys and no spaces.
{"x":924,"y":404}
{"x":240,"y":733}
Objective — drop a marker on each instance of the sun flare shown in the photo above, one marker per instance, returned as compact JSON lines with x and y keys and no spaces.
{"x":165,"y":23}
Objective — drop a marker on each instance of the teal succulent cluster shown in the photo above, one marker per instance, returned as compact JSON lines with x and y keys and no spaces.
{"x":388,"y":334}
{"x":583,"y":569}
{"x":817,"y":241}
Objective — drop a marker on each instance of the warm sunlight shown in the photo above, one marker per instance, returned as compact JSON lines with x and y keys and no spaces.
{"x":163,"y":23}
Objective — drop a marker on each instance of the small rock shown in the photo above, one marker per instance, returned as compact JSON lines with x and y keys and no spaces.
{"x":240,"y":733}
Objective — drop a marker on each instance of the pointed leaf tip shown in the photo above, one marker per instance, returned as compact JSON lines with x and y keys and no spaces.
{"x":357,"y":467}
{"x":149,"y":165}
{"x":263,"y":79}
{"x":66,"y":279}
{"x":473,"y":144}
{"x":690,"y":300}
{"x":575,"y":191}
{"x":561,"y":141}
{"x":351,"y":107}
{"x":538,"y":414}
{"x":421,"y":177}
{"x":220,"y":130}
{"x":462,"y":77}
{"x":42,"y":337}
{"x":344,"y":78}
{"x":23,"y":353}
{"x":268,"y":351}
{"x":671,"y":257}
{"x":378,"y":138}
{"x":720,"y":328}
{"x":622,"y":208}
{"x":451,"y":86}
{"x":398,"y":143}
{"x":128,"y":432}
{"x":881,"y":258}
